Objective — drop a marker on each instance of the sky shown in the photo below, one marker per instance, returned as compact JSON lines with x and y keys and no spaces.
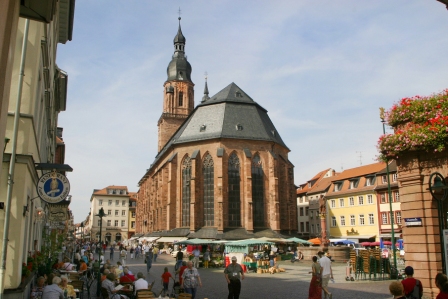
{"x":320,"y":68}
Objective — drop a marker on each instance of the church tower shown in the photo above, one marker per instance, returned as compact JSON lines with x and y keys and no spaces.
{"x":178,"y":92}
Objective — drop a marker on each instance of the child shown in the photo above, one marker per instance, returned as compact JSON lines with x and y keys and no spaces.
{"x":166,"y":280}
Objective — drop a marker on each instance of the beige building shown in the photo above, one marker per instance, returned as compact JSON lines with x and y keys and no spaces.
{"x":115,"y":202}
{"x":33,"y":99}
{"x":131,"y":214}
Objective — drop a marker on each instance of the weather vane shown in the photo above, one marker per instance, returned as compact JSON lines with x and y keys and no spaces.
{"x":206,"y":75}
{"x":179,"y":12}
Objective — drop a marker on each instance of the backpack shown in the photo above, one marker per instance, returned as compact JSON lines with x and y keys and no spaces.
{"x":415,"y":294}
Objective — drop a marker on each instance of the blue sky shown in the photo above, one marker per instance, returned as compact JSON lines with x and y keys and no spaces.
{"x":321,"y":69}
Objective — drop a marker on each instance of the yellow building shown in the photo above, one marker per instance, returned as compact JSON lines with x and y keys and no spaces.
{"x":352,"y":204}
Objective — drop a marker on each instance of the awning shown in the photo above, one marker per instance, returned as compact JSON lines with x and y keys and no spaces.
{"x":196,"y":241}
{"x":148,"y":239}
{"x":358,"y":237}
{"x":171,"y":239}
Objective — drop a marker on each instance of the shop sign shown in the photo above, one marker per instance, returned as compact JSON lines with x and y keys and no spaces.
{"x":416,"y":221}
{"x":53,"y":187}
{"x":57,"y":214}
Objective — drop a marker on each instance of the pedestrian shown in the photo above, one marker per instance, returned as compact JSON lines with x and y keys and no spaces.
{"x":396,"y":289}
{"x":111,"y":252}
{"x":123,"y":255}
{"x":315,"y":291}
{"x":191,"y":280}
{"x":327,"y":273}
{"x":196,"y":254}
{"x":442,"y":284}
{"x":131,"y":251}
{"x":181,"y":270}
{"x":179,"y":258}
{"x":155,"y":252}
{"x":412,"y":287}
{"x":148,"y":261}
{"x":166,"y":276}
{"x":206,"y":258}
{"x":233,"y":272}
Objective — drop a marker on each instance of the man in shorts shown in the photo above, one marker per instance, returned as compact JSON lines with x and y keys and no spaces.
{"x":327,"y":273}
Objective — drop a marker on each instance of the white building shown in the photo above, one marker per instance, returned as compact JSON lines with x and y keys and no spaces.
{"x":115,"y":202}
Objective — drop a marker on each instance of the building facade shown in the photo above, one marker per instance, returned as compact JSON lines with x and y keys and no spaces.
{"x":115,"y":202}
{"x":222,"y":169}
{"x":131,"y":214}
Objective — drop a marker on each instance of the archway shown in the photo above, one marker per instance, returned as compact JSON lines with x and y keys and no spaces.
{"x":118,"y":237}
{"x":108,"y":237}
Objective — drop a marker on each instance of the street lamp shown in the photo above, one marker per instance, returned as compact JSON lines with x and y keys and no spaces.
{"x":100,"y":214}
{"x":439,"y":192}
{"x":82,"y":231}
{"x":395,"y":273}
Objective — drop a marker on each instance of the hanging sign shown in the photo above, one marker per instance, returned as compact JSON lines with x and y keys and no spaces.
{"x":53,"y":187}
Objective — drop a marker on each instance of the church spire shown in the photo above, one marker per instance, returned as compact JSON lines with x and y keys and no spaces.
{"x":179,"y":41}
{"x":205,"y":97}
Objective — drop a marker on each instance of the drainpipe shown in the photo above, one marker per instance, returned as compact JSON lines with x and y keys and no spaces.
{"x":12,"y":161}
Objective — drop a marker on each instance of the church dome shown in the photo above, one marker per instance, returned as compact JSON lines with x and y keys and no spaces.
{"x":179,"y":69}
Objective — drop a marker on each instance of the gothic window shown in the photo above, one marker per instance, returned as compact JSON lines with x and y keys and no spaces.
{"x":186,"y":191}
{"x":209,"y":198}
{"x":234,"y":207}
{"x":257,"y":192}
{"x":181,"y":99}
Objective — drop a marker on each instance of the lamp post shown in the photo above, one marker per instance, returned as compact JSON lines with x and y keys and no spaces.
{"x":439,"y":192}
{"x":395,"y":274}
{"x":82,"y":231}
{"x":100,"y":214}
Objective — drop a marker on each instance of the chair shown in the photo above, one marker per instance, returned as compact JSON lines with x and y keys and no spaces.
{"x":184,"y":296}
{"x":104,"y":293}
{"x":151,"y":285}
{"x":78,"y":284}
{"x":144,"y":294}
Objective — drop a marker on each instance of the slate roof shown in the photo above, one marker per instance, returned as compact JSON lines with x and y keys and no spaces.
{"x":220,"y":116}
{"x":104,"y":190}
{"x":204,"y":233}
{"x":177,"y":232}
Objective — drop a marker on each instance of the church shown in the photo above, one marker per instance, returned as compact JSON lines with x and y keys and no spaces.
{"x":222,"y":169}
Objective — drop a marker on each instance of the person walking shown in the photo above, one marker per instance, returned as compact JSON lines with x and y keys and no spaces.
{"x":131,"y":251}
{"x":315,"y":291}
{"x":166,"y":276}
{"x":111,"y":252}
{"x":123,"y":255}
{"x":191,"y":280}
{"x":327,"y":273}
{"x":148,"y":260}
{"x":412,"y":287}
{"x":233,"y":272}
{"x":179,"y":258}
{"x":206,"y":258}
{"x":155,"y":252}
{"x":196,"y":254}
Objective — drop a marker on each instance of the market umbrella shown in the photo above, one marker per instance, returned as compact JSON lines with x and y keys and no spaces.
{"x":315,"y":241}
{"x":375,"y":244}
{"x":365,"y":244}
{"x":387,"y":243}
{"x":299,"y":241}
{"x":345,"y":242}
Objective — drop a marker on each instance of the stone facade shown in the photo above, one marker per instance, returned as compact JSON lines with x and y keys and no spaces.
{"x":422,"y":243}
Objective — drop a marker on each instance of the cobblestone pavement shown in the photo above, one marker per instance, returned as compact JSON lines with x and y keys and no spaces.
{"x":293,"y":283}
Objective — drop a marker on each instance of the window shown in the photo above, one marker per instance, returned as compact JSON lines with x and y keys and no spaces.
{"x":181,"y":99}
{"x":100,"y":202}
{"x":300,"y":199}
{"x":384,"y":219}
{"x":109,"y":222}
{"x":352,"y":220}
{"x":186,"y":191}
{"x":360,"y":200}
{"x":257,"y":192}
{"x":99,"y":222}
{"x":383,"y":198}
{"x":398,"y":216}
{"x":341,"y":202}
{"x":333,"y":221}
{"x":311,"y":214}
{"x":317,"y":228}
{"x":132,"y":224}
{"x":333,"y":203}
{"x":342,"y":220}
{"x":368,"y":181}
{"x":234,"y":203}
{"x":123,"y":203}
{"x":307,"y":225}
{"x":117,"y":202}
{"x":394,"y":177}
{"x":133,"y":214}
{"x":301,"y":211}
{"x":369,"y":199}
{"x":337,"y":187}
{"x":116,"y":223}
{"x":361,"y":219}
{"x":302,"y":227}
{"x":384,"y":179}
{"x":371,"y":219}
{"x":110,"y":202}
{"x":208,"y":190}
{"x":306,"y":211}
{"x":123,"y":213}
{"x":312,"y":229}
{"x":109,"y":212}
{"x":202,"y":128}
{"x":123,"y":222}
{"x":116,"y":212}
{"x":353,"y":184}
{"x":351,"y":201}
{"x":397,"y":196}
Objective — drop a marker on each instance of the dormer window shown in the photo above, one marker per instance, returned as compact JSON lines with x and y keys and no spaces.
{"x":337,"y":186}
{"x":309,"y":185}
{"x":180,"y":76}
{"x":238,"y":94}
{"x":239,"y":127}
{"x":353,"y":184}
{"x":202,"y":129}
{"x":370,"y":180}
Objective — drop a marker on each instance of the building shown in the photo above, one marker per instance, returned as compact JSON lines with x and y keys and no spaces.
{"x":384,"y":206}
{"x":28,"y":124}
{"x":222,"y":169}
{"x":115,"y":202}
{"x":131,"y":214}
{"x":351,"y":203}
